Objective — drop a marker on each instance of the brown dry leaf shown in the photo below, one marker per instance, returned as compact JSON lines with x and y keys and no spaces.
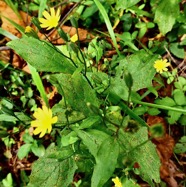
{"x":6,"y":11}
{"x":169,"y":172}
{"x":84,"y":35}
{"x":165,"y":144}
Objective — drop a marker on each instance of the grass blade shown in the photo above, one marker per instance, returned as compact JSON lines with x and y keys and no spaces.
{"x":13,"y":7}
{"x":8,"y":34}
{"x":38,"y":83}
{"x":108,"y":24}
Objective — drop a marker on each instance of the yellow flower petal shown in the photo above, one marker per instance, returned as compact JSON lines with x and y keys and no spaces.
{"x":117,"y":182}
{"x":74,"y":38}
{"x":50,"y":20}
{"x":42,"y":20}
{"x":52,"y":11}
{"x":34,"y":123}
{"x":46,"y":15}
{"x":37,"y":131}
{"x":54,"y":119}
{"x":42,"y":134}
{"x":161,"y":65}
{"x":43,"y":122}
{"x":58,"y":13}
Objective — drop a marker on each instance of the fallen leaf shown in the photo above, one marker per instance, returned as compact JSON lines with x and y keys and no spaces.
{"x":6,"y":11}
{"x":83,"y":34}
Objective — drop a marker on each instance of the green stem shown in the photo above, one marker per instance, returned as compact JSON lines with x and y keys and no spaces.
{"x":159,"y":106}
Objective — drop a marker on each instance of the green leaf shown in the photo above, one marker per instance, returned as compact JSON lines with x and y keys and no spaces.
{"x":140,"y":110}
{"x":153,"y":111}
{"x":8,"y":34}
{"x":180,"y":83}
{"x":108,"y":24}
{"x":38,"y":150}
{"x":22,"y":117}
{"x":167,"y":101}
{"x":48,"y":171}
{"x":140,"y":66}
{"x":182,"y":120}
{"x":179,"y":97}
{"x":180,"y":146}
{"x":90,"y":121}
{"x":90,"y":136}
{"x":24,"y":150}
{"x":8,"y":181}
{"x":126,"y":4}
{"x":143,"y":152}
{"x":8,"y":118}
{"x":62,"y":112}
{"x":166,"y":14}
{"x":177,"y":50}
{"x":76,"y":91}
{"x":106,"y":160}
{"x":70,"y":138}
{"x":42,"y":6}
{"x":173,"y":116}
{"x":38,"y":82}
{"x":41,"y":55}
{"x":130,"y":183}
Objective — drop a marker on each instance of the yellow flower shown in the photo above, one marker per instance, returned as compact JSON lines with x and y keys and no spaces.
{"x":74,"y":38}
{"x":28,"y":29}
{"x":50,"y":21}
{"x":161,"y":65}
{"x":43,"y":121}
{"x":117,"y":182}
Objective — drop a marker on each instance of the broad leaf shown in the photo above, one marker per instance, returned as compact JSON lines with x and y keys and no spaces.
{"x":41,"y":55}
{"x":24,"y":150}
{"x":106,"y":161}
{"x":53,"y":169}
{"x":140,"y":66}
{"x":92,"y":138}
{"x":8,"y":118}
{"x":126,"y":4}
{"x":144,"y":155}
{"x":76,"y":91}
{"x":166,"y":14}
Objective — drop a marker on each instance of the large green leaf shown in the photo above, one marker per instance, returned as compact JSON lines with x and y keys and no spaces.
{"x":125,"y":4}
{"x":106,"y":161}
{"x":105,"y":150}
{"x":140,"y":66}
{"x":41,"y":55}
{"x":76,"y":91}
{"x":145,"y":154}
{"x":53,"y":169}
{"x":166,"y":14}
{"x":92,"y":138}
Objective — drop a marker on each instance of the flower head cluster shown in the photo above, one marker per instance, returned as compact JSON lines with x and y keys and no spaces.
{"x":28,"y":29}
{"x":117,"y":182}
{"x":50,"y":20}
{"x":43,"y":121}
{"x":161,"y":65}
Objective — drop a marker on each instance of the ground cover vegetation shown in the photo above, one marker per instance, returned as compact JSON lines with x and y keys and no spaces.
{"x":92,"y":93}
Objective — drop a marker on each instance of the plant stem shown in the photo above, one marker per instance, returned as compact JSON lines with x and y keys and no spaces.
{"x":160,"y":106}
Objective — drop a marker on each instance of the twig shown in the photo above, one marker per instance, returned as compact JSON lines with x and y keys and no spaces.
{"x":4,"y":48}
